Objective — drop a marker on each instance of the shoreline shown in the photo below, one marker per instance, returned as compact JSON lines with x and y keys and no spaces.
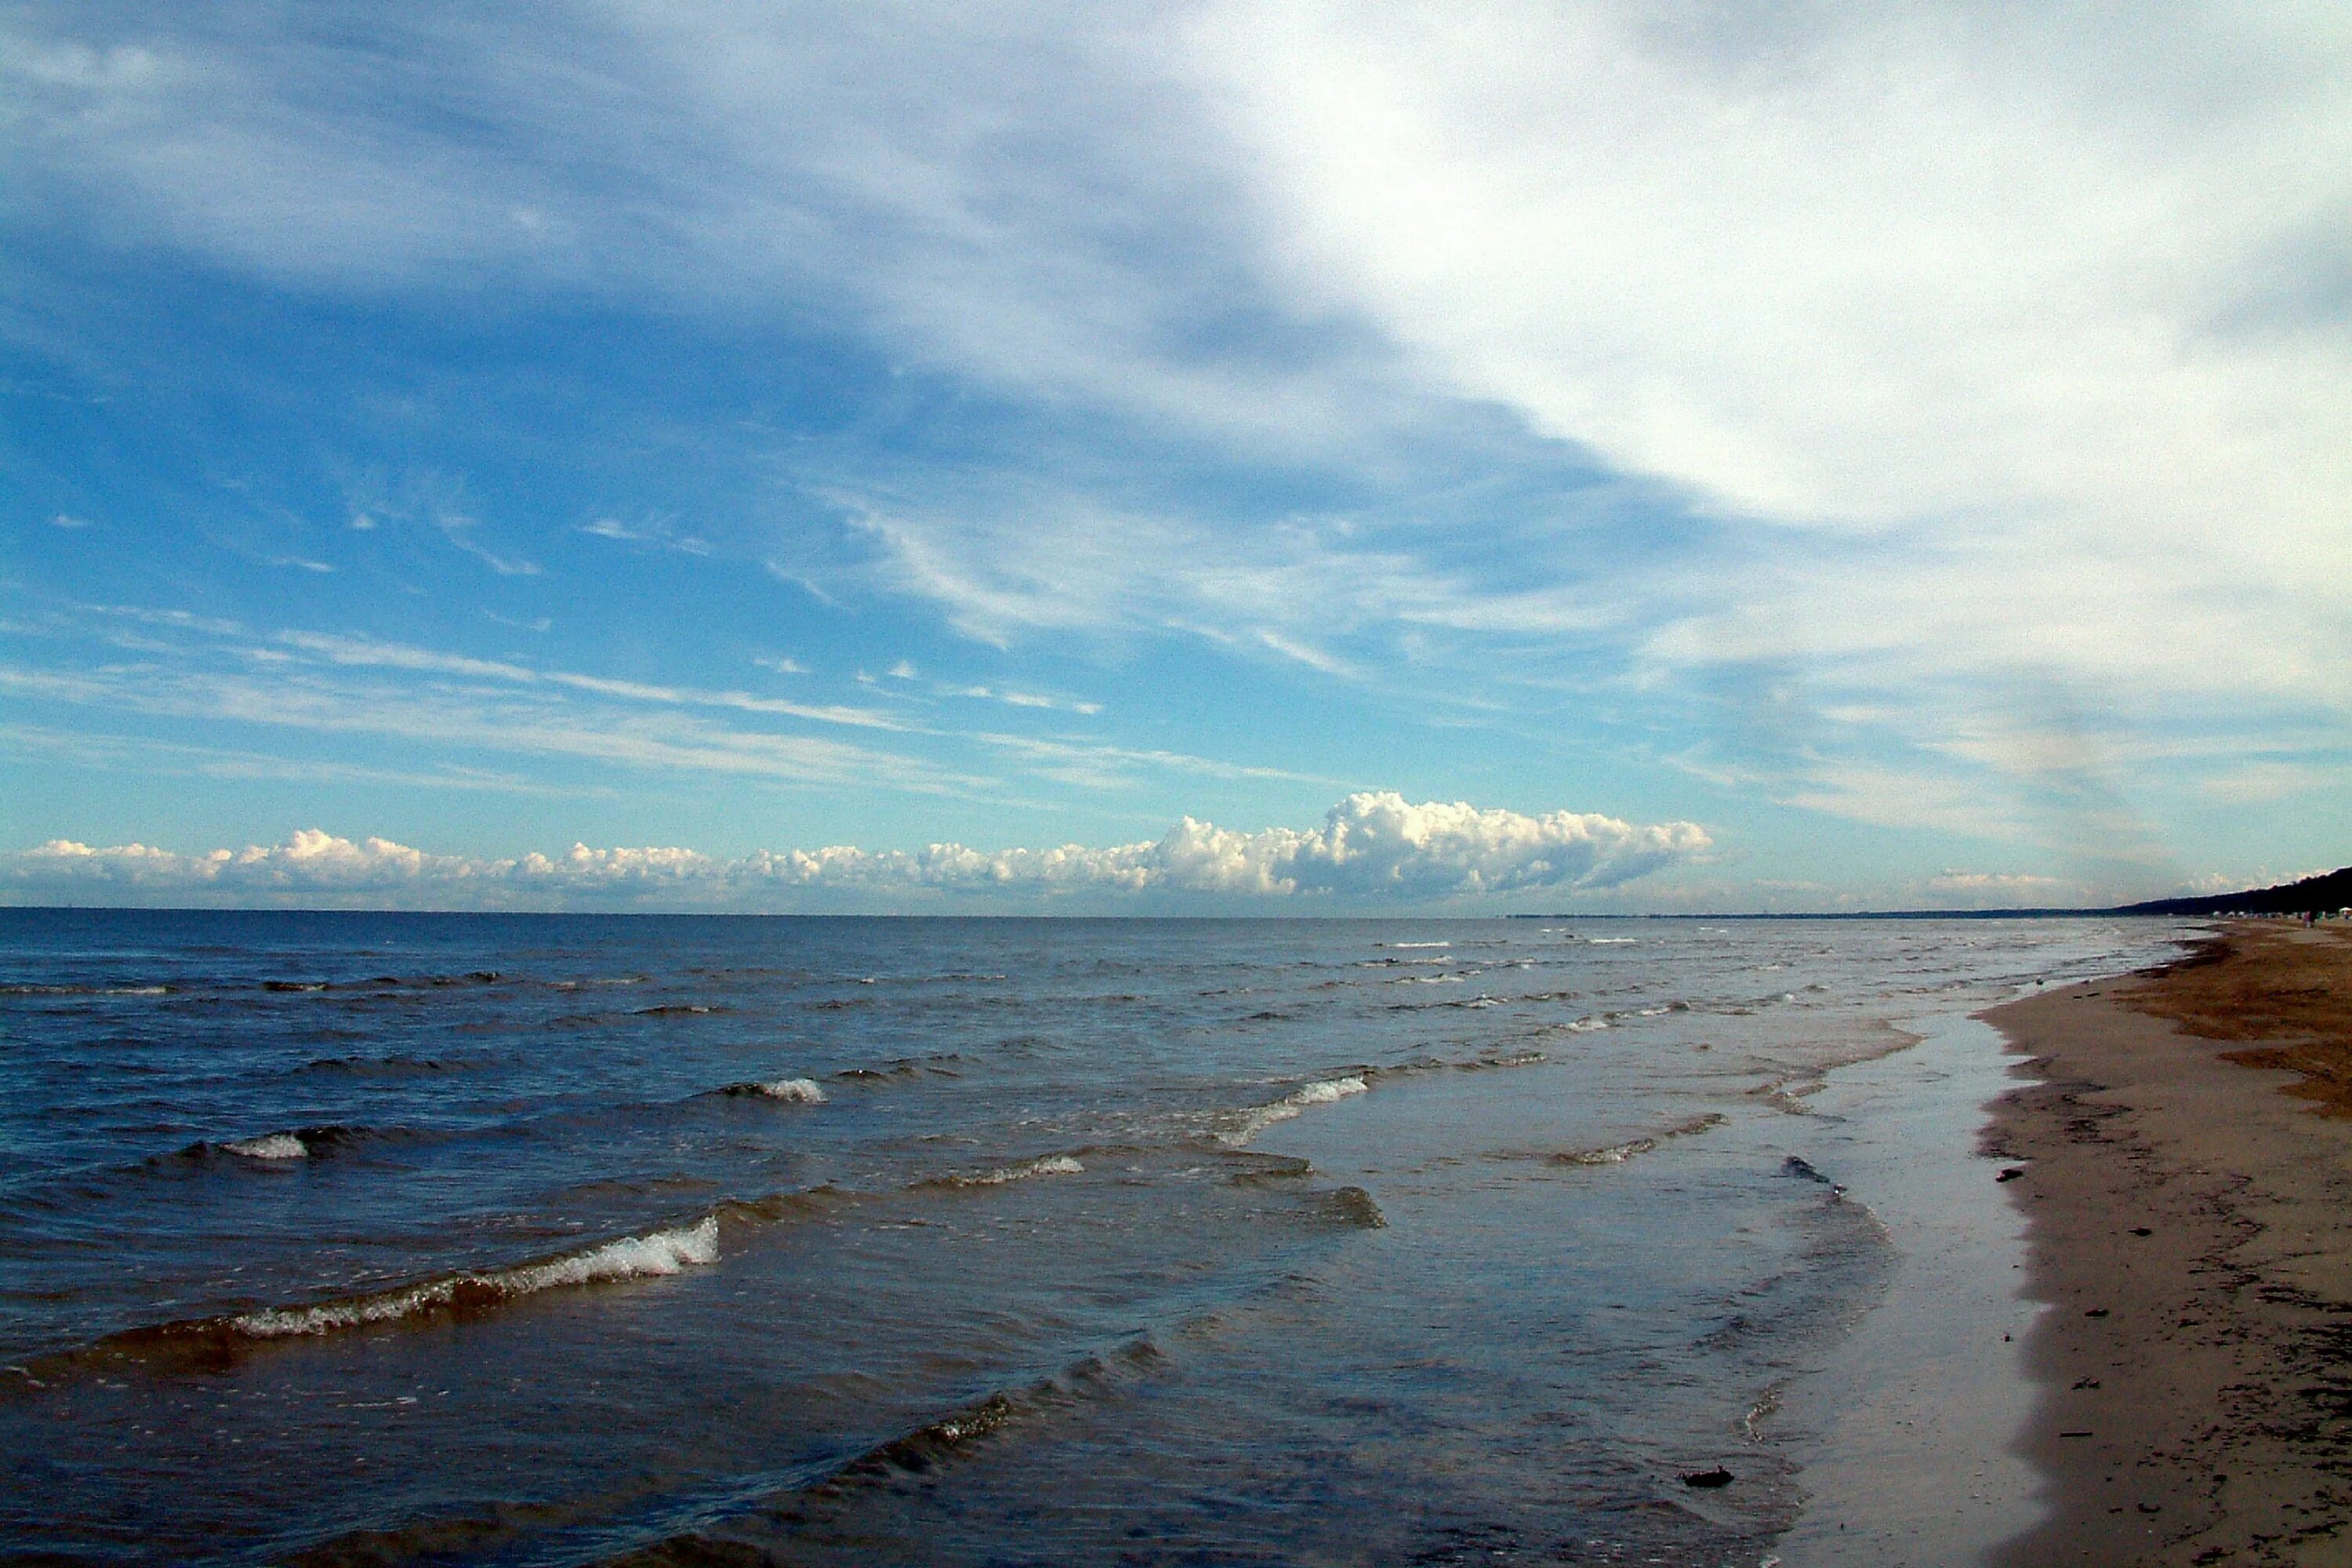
{"x":2187,"y":1221}
{"x":1901,"y":1427}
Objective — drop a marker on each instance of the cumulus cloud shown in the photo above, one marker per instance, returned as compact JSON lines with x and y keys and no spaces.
{"x":1371,"y":849}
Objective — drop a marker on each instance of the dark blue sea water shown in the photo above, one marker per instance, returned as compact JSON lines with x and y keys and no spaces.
{"x":538,"y":1239}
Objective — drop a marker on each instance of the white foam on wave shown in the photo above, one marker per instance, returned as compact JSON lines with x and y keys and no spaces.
{"x":1615,"y":1154}
{"x":1416,"y":944}
{"x":631,"y":1257}
{"x":1323,"y":1092}
{"x":271,"y":1146}
{"x":1050,"y":1165}
{"x":1618,"y":1153}
{"x":798,"y":1091}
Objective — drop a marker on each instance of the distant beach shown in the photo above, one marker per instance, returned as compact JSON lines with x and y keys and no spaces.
{"x":2185,"y":1165}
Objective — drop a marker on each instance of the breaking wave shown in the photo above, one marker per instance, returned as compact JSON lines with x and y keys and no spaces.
{"x":1323,"y":1091}
{"x":658,"y":1252}
{"x":792,"y":1090}
{"x":214,"y":1344}
{"x":1050,"y":1165}
{"x":288,"y":1143}
{"x":273,"y":1146}
{"x":1618,"y":1153}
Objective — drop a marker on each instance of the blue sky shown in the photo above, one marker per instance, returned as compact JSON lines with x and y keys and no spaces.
{"x":1797,"y":459}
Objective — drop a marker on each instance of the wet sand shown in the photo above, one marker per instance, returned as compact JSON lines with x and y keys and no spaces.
{"x":1902,"y":1426}
{"x":2185,"y":1169}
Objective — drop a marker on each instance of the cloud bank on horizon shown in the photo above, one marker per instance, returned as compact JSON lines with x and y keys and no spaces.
{"x":1910,"y":440}
{"x":1373,"y":847}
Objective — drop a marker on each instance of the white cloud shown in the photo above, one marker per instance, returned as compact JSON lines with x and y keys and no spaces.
{"x":509,"y":723}
{"x":368,"y":651}
{"x":660,"y":531}
{"x":1371,"y":849}
{"x":421,"y":496}
{"x":1996,"y":341}
{"x":2036,"y":295}
{"x":148,"y":756}
{"x":205,"y":670}
{"x":1013,"y":698}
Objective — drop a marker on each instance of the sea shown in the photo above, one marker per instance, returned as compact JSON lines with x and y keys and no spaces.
{"x":535,"y":1239}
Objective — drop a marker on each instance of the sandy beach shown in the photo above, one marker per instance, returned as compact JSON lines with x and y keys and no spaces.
{"x":2185,"y":1168}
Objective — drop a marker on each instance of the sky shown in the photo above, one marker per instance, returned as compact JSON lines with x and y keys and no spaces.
{"x":1189,"y":457}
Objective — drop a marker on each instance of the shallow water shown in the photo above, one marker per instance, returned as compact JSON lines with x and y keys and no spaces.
{"x":559,"y":1239}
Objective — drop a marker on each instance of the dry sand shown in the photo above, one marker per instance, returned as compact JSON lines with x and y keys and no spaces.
{"x":2186,"y":1172}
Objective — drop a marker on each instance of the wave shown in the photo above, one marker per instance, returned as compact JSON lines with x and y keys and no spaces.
{"x":1618,"y":1153}
{"x":660,"y":1252}
{"x":271,"y":1146}
{"x":1517,"y":1060}
{"x":1354,"y":1206}
{"x":1323,"y":1092}
{"x":1796,"y":1165}
{"x":84,"y":990}
{"x":1050,"y":1165}
{"x":878,"y":1075}
{"x":935,"y":1065}
{"x":792,"y":1090}
{"x":762,"y":1534}
{"x":214,"y":1344}
{"x":382,"y":1067}
{"x":1403,"y":945}
{"x":290,"y":1143}
{"x":387,"y":981}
